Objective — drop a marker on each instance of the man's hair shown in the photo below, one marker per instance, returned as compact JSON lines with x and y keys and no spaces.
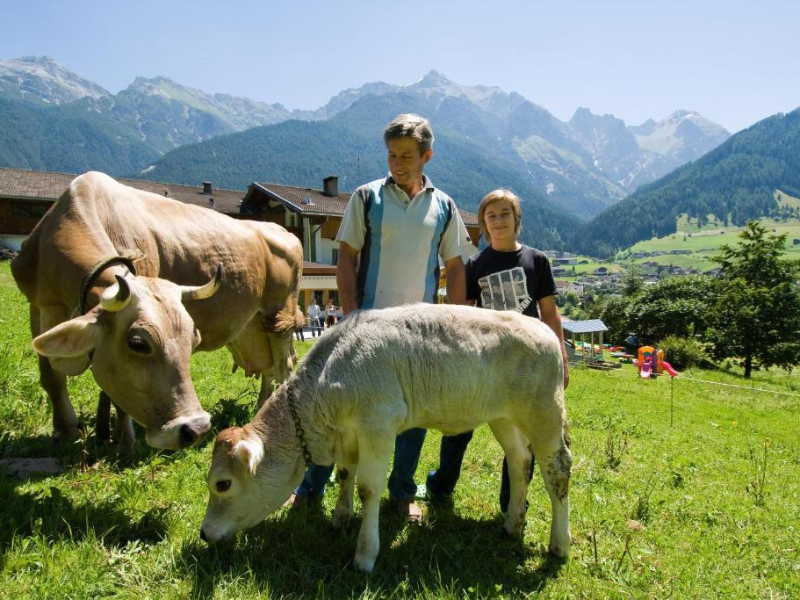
{"x":412,"y":126}
{"x":496,"y":196}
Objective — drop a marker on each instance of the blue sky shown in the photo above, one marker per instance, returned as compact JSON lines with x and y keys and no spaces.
{"x":734,"y":61}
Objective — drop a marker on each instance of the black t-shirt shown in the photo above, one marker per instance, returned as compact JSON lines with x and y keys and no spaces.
{"x":510,"y":280}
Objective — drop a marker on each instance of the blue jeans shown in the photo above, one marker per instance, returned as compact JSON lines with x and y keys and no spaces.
{"x":315,"y":325}
{"x":407,"y":448}
{"x":442,"y":481}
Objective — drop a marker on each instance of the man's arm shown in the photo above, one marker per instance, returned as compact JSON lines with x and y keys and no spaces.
{"x":346,"y":273}
{"x":549,"y":311}
{"x":456,"y":281}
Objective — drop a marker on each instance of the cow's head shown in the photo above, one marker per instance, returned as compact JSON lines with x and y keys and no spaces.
{"x":247,"y":481}
{"x":140,"y":339}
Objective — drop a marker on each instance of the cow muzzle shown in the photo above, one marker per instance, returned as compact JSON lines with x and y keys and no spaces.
{"x":181,"y":432}
{"x":210,"y":538}
{"x":213,"y":533}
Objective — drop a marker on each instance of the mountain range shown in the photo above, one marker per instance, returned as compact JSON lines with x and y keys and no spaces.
{"x":51,"y":118}
{"x":754,"y":174}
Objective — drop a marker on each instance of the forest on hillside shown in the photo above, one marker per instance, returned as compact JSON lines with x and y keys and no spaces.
{"x":735,"y":182}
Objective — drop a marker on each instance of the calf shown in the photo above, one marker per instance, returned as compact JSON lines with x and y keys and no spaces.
{"x":378,"y":373}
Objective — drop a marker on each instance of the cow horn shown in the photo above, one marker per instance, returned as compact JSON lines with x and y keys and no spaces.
{"x":201,"y":292}
{"x":117,"y":296}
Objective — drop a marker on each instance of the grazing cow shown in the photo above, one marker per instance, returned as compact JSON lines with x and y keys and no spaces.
{"x":378,"y":373}
{"x":133,"y":262}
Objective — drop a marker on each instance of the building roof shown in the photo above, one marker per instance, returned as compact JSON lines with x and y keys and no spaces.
{"x":315,"y":268}
{"x":36,"y":185}
{"x":48,"y":186}
{"x":311,"y":202}
{"x":306,"y":201}
{"x":590,"y":326}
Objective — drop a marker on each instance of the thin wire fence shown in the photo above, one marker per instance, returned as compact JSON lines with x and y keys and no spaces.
{"x":679,"y":377}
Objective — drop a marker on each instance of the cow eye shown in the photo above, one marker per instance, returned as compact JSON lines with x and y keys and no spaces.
{"x":137,"y":344}
{"x":223,"y":485}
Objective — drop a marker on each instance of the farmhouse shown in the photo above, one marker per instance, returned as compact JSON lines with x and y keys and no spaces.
{"x":312,"y":215}
{"x":25,"y":196}
{"x":564,"y":286}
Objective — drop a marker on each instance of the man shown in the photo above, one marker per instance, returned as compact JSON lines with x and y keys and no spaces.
{"x":313,"y":318}
{"x":393,"y":232}
{"x":506,"y":275}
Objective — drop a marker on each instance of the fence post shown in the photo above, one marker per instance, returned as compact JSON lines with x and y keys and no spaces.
{"x":671,"y":399}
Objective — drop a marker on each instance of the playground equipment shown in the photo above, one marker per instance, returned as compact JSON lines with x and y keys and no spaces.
{"x":651,"y":362}
{"x":650,"y":359}
{"x":580,"y":349}
{"x":668,"y":368}
{"x":646,"y":369}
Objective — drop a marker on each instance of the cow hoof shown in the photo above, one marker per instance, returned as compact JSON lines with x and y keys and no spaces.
{"x":65,"y":434}
{"x":514,"y":530}
{"x":342,"y":520}
{"x":558,"y":551}
{"x":125,"y":448}
{"x":364,"y":564}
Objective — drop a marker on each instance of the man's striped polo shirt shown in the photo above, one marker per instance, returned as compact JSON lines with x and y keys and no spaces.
{"x":400,"y":240}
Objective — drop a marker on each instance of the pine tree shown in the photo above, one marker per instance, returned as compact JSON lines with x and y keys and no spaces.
{"x":632,"y":281}
{"x":756,"y":317}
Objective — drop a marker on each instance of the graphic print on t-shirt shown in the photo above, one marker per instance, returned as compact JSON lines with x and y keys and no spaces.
{"x":505,"y":290}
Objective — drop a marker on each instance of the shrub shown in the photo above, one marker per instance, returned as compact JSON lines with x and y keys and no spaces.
{"x":683,"y":353}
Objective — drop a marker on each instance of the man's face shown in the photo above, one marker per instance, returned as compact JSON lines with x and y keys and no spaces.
{"x":498,"y":219}
{"x":405,"y":162}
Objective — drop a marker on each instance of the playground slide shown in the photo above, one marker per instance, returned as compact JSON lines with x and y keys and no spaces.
{"x":668,"y":368}
{"x":645,"y":372}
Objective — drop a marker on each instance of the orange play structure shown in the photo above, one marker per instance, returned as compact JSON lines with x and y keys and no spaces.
{"x":650,"y":361}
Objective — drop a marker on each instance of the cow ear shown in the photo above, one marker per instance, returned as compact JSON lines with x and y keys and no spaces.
{"x":249,"y":451}
{"x":71,"y":338}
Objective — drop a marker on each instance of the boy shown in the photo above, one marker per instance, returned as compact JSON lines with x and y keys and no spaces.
{"x":507,"y":275}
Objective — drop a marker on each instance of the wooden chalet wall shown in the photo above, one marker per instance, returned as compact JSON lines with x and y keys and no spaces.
{"x":19,"y":217}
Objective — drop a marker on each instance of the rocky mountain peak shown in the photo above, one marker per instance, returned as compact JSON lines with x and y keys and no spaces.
{"x":41,"y":80}
{"x":434,"y":77}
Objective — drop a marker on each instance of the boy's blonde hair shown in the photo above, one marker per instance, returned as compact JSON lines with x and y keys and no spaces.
{"x":491,"y":198}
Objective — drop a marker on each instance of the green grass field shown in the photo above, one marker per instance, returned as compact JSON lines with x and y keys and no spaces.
{"x":785,"y":199}
{"x":658,"y":511}
{"x":587,"y":266}
{"x":704,"y":244}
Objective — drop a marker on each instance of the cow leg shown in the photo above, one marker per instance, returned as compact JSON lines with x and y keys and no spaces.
{"x":518,"y":457}
{"x":124,"y":435}
{"x":65,"y":423}
{"x":102,"y":427}
{"x":267,"y":384}
{"x":282,"y":352}
{"x":343,"y":512}
{"x":373,"y":462}
{"x":555,"y":462}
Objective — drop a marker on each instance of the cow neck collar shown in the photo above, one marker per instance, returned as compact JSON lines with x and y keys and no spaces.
{"x":301,"y":436}
{"x":88,"y":280}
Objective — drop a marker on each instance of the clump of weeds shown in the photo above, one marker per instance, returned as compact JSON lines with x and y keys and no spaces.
{"x":616,"y":447}
{"x":758,"y":465}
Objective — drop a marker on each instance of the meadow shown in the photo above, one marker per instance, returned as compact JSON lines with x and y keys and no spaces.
{"x":705,"y":243}
{"x":694,"y":497}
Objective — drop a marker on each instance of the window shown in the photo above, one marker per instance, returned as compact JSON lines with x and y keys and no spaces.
{"x":335,"y":256}
{"x":29,"y":210}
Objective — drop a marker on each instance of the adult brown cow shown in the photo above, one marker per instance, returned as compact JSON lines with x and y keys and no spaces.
{"x":144,"y":266}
